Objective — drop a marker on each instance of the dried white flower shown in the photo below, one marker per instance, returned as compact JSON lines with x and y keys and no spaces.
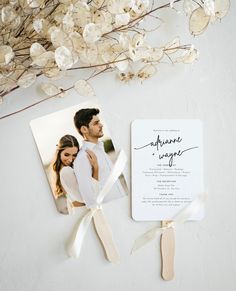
{"x":189,"y":56}
{"x":36,"y":50}
{"x":119,"y":6}
{"x":189,"y":6}
{"x":98,"y":16}
{"x":89,"y":54}
{"x":64,"y":58}
{"x":140,"y":6}
{"x":221,"y":8}
{"x":155,"y":54}
{"x":13,"y":2}
{"x":40,"y":25}
{"x":122,"y":19}
{"x":83,"y":88}
{"x":58,"y":37}
{"x":146,"y":72}
{"x":43,"y":59}
{"x":26,"y":80}
{"x":198,"y":21}
{"x":49,"y":37}
{"x":77,"y":42}
{"x":81,"y":14}
{"x":8,"y":14}
{"x":6,"y":55}
{"x":35,"y":3}
{"x":50,"y":89}
{"x":67,"y":22}
{"x":51,"y":69}
{"x":123,"y":63}
{"x":136,"y":54}
{"x":209,"y":7}
{"x":39,"y":55}
{"x":126,"y":77}
{"x":106,"y":25}
{"x":92,"y":32}
{"x":138,"y":40}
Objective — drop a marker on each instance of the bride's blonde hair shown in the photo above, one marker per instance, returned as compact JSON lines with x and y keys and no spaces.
{"x":67,"y":141}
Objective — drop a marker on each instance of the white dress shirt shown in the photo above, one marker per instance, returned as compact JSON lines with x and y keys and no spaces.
{"x":83,"y":173}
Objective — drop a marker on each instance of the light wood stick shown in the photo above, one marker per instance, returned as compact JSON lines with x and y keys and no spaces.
{"x":104,"y":233}
{"x":167,"y":252}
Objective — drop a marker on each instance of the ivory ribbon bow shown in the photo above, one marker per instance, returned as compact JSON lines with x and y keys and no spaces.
{"x":76,"y":240}
{"x":181,"y":217}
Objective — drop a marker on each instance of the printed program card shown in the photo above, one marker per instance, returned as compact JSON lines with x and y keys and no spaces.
{"x":167,"y":167}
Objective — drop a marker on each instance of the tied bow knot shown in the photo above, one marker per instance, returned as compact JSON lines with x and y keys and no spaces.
{"x":77,"y":237}
{"x":185,"y":214}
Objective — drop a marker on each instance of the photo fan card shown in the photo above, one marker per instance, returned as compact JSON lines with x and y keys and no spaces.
{"x":83,"y":169}
{"x":167,"y":168}
{"x":59,"y":143}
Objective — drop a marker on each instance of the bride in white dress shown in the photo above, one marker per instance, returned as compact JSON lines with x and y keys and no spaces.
{"x":63,"y":180}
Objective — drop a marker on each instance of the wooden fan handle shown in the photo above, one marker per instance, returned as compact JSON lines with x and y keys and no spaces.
{"x":167,"y":252}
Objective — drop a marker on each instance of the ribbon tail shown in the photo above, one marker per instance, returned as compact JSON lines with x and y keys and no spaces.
{"x":115,"y":173}
{"x":145,"y":238}
{"x":104,"y":233}
{"x":191,"y":209}
{"x":76,"y":240}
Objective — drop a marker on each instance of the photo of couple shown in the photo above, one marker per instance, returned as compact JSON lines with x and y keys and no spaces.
{"x":82,"y":159}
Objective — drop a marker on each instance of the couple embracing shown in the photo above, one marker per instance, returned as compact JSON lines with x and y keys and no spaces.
{"x":81,"y":173}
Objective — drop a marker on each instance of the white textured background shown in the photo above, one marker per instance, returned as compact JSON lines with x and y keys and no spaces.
{"x":33,"y":233}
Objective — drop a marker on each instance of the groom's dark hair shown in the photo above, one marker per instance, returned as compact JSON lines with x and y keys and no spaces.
{"x":84,"y":116}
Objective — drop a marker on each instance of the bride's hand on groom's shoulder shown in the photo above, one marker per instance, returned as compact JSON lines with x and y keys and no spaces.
{"x":94,"y":163}
{"x":92,"y":159}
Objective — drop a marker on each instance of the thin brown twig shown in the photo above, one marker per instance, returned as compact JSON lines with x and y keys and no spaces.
{"x":45,"y":99}
{"x":36,"y":103}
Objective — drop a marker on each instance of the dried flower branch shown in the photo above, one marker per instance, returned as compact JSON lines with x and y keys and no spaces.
{"x":48,"y":37}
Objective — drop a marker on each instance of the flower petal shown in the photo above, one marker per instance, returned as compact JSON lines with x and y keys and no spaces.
{"x":188,"y":57}
{"x":84,"y":88}
{"x":155,"y":54}
{"x":8,"y":14}
{"x":43,"y":59}
{"x":50,"y":89}
{"x":58,"y":37}
{"x":122,"y":65}
{"x":138,"y":40}
{"x":92,"y":32}
{"x":26,"y":80}
{"x":6,"y":54}
{"x":40,"y":25}
{"x":122,"y":19}
{"x":36,"y":50}
{"x":119,"y":6}
{"x":189,"y":6}
{"x":221,"y":8}
{"x":64,"y":58}
{"x":198,"y":21}
{"x":35,"y":3}
{"x":209,"y":7}
{"x":146,"y":72}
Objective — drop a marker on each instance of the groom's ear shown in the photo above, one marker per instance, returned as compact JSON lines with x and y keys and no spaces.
{"x":84,"y":129}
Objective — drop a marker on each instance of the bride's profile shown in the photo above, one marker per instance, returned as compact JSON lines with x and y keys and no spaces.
{"x":63,"y":181}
